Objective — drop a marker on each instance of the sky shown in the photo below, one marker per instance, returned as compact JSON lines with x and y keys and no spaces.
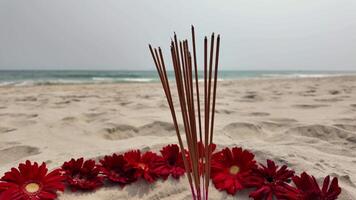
{"x":114,"y":34}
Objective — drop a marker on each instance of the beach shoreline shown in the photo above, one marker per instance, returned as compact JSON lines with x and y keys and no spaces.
{"x":83,"y":77}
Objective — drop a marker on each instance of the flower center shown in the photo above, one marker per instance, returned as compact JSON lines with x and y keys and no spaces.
{"x":32,"y":187}
{"x":234,"y":170}
{"x":171,"y":162}
{"x":270,"y":179}
{"x":143,"y":166}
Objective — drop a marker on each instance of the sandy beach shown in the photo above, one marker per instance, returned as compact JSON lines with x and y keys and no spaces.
{"x":307,"y":123}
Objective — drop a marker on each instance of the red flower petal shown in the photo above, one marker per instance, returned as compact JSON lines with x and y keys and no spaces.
{"x":144,"y":164}
{"x":309,"y":188}
{"x":171,"y":162}
{"x":82,"y":175}
{"x":269,"y":180}
{"x":230,"y":169}
{"x":31,"y":181}
{"x":118,"y":170}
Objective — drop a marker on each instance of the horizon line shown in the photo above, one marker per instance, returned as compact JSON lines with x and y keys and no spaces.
{"x":148,"y":70}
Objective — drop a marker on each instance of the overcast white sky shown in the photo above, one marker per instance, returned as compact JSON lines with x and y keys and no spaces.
{"x":113,"y":34}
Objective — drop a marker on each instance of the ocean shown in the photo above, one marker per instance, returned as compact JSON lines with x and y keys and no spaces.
{"x":49,"y":77}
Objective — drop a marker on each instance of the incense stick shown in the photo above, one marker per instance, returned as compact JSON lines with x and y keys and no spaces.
{"x":196,"y":167}
{"x":196,"y":81}
{"x":165,"y":84}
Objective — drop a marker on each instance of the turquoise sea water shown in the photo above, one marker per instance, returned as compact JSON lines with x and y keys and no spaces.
{"x":46,"y":77}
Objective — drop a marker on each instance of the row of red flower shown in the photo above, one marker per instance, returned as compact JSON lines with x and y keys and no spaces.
{"x":232,"y":170}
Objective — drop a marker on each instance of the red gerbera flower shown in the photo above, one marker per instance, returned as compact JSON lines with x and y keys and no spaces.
{"x":171,"y":162}
{"x":231,"y":168}
{"x":82,"y":175}
{"x":31,"y":182}
{"x":144,"y":164}
{"x":309,"y":188}
{"x":270,"y":181}
{"x":117,"y":169}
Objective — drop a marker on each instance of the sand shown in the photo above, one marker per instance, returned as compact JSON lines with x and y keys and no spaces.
{"x":307,"y":123}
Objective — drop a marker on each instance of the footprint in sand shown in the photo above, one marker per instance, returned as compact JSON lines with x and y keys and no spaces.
{"x":311,"y":90}
{"x":69,"y":119}
{"x":307,"y":95}
{"x":19,"y":115}
{"x":310,"y":93}
{"x":309,"y":106}
{"x":334,"y":92}
{"x":6,"y":129}
{"x":242,"y":130}
{"x":345,"y":120}
{"x":336,"y":99}
{"x":29,"y":98}
{"x":251,"y":98}
{"x":90,"y":117}
{"x":63,"y":102}
{"x":347,"y":90}
{"x":140,"y":106}
{"x":158,"y":128}
{"x":259,"y":114}
{"x":326,"y":139}
{"x":224,"y":111}
{"x":15,"y":153}
{"x":79,"y":96}
{"x":322,"y":132}
{"x":122,"y":131}
{"x":347,"y":127}
{"x":277,"y":93}
{"x":283,"y":120}
{"x":119,"y":132}
{"x":146,"y":97}
{"x":125,"y":103}
{"x":273,"y":126}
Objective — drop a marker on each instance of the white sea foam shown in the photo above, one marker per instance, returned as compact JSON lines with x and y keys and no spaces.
{"x":138,"y":79}
{"x":109,"y":79}
{"x":298,"y":75}
{"x":70,"y":81}
{"x":6,"y":83}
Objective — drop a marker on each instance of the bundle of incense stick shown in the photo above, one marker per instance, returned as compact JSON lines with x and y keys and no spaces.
{"x":196,"y":165}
